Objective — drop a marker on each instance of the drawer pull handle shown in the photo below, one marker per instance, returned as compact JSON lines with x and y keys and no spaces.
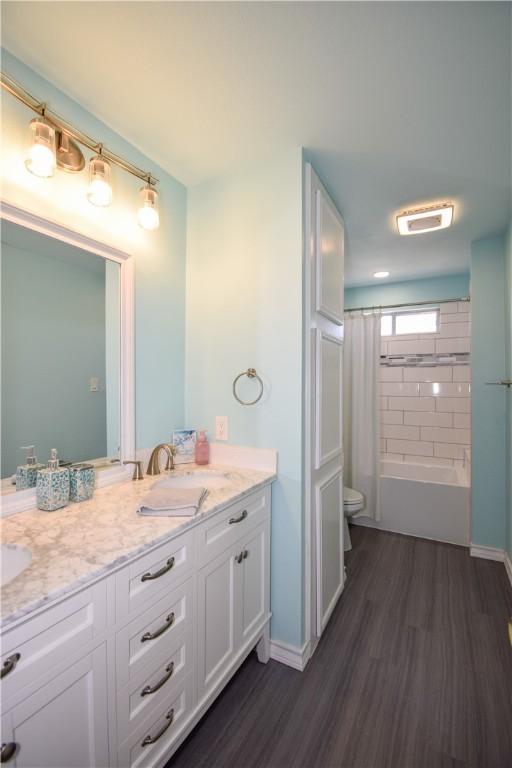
{"x":148,"y":689}
{"x":9,"y":664}
{"x":153,"y":635}
{"x":238,"y":519}
{"x":156,"y":575}
{"x":244,"y":554}
{"x":151,"y":739}
{"x":7,"y":751}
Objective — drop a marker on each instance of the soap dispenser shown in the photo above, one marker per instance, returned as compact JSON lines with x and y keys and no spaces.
{"x":52,"y":486}
{"x":26,"y":474}
{"x":202,"y":448}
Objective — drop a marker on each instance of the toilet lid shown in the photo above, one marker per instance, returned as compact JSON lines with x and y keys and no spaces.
{"x":350,"y":496}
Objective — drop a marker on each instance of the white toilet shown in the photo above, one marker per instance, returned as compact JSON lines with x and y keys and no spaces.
{"x":353,"y":502}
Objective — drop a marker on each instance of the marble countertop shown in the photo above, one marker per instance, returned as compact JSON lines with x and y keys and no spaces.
{"x":78,"y":543}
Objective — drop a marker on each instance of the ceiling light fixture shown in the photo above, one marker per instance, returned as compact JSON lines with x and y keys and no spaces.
{"x":147,"y":215}
{"x":41,"y":157}
{"x":99,"y":191}
{"x":380,"y":275}
{"x":425,"y":219}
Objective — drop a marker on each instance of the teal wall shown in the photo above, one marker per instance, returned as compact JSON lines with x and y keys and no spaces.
{"x":244,"y":309}
{"x":508,"y":301}
{"x":488,"y":422}
{"x":53,"y":341}
{"x":160,"y":256}
{"x":429,"y":289}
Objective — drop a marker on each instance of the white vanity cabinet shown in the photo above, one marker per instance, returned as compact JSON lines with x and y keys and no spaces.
{"x":64,"y":723}
{"x":232,"y":606}
{"x":118,"y":673}
{"x":54,"y":688}
{"x":232,"y":588}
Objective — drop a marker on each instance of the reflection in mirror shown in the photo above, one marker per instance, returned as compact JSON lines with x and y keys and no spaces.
{"x":60,"y":352}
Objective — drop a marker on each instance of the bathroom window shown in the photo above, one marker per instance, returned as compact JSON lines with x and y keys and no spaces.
{"x":410,"y":321}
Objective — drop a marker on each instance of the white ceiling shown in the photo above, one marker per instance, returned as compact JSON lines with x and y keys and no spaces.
{"x":397,"y":104}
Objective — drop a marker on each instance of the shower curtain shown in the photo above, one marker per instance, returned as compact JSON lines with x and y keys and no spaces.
{"x":361,"y":407}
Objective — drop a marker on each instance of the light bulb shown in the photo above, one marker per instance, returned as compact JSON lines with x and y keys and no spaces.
{"x":41,"y":156}
{"x":147,"y":215}
{"x":99,"y":191}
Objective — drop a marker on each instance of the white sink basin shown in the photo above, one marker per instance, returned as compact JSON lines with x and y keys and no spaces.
{"x":195,"y":480}
{"x":14,"y":560}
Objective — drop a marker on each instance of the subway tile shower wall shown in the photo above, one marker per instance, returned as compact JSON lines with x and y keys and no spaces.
{"x":425,"y":412}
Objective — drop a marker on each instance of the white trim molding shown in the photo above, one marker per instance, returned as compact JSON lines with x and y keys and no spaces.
{"x":508,"y":567}
{"x":487,"y":553}
{"x":23,"y":500}
{"x":291,"y":655}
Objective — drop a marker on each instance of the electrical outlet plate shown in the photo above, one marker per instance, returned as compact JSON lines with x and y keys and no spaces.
{"x":221,"y":427}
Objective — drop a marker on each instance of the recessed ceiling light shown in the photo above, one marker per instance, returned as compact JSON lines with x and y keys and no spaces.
{"x":425,"y":219}
{"x":381,"y":274}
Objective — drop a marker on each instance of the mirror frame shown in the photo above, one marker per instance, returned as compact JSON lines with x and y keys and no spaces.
{"x":23,"y":500}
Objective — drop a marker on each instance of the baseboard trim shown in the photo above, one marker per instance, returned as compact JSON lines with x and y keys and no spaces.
{"x":380,"y":525}
{"x":291,"y":655}
{"x":508,"y":567}
{"x":487,"y":553}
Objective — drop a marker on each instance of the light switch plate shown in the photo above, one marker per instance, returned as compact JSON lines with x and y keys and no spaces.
{"x":221,"y":427}
{"x":94,"y":383}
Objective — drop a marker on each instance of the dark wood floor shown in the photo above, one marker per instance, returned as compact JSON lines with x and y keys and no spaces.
{"x":414,"y":671}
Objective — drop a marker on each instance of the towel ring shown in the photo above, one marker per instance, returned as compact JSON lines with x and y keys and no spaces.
{"x":251,"y":374}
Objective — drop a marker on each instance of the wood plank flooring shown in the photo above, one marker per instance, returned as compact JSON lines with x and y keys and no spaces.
{"x":414,"y":671}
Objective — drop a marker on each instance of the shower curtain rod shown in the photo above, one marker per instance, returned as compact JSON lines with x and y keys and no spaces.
{"x":408,"y":304}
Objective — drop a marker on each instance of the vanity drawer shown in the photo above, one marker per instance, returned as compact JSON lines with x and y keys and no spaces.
{"x":151,"y":634}
{"x":49,"y":639}
{"x":154,"y":737}
{"x":153,"y":574}
{"x":218,"y":532}
{"x":151,"y":688}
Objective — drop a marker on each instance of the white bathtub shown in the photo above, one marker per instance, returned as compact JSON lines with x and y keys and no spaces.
{"x":424,"y":500}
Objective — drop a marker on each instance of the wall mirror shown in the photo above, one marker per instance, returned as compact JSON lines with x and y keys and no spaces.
{"x":67,"y":351}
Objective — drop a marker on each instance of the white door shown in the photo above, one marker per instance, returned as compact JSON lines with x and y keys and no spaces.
{"x":64,"y":723}
{"x":329,"y":537}
{"x":217,"y":632}
{"x":325,"y":239}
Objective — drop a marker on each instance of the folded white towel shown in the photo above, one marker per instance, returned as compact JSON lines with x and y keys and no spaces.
{"x":172,"y":502}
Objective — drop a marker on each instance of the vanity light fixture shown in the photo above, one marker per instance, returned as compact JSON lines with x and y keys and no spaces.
{"x":380,"y":275}
{"x":41,"y":157}
{"x":69,"y":155}
{"x":99,"y":191}
{"x":425,"y":219}
{"x":55,"y":143}
{"x":147,"y":215}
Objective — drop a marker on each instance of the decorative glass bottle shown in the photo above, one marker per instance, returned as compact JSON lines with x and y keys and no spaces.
{"x":81,"y":482}
{"x":52,"y":486}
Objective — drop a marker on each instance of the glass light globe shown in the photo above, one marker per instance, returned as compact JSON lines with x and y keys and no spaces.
{"x":41,"y":155}
{"x":99,"y":191}
{"x":147,"y":215}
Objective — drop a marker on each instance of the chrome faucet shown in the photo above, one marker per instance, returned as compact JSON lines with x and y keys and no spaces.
{"x":154,"y":465}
